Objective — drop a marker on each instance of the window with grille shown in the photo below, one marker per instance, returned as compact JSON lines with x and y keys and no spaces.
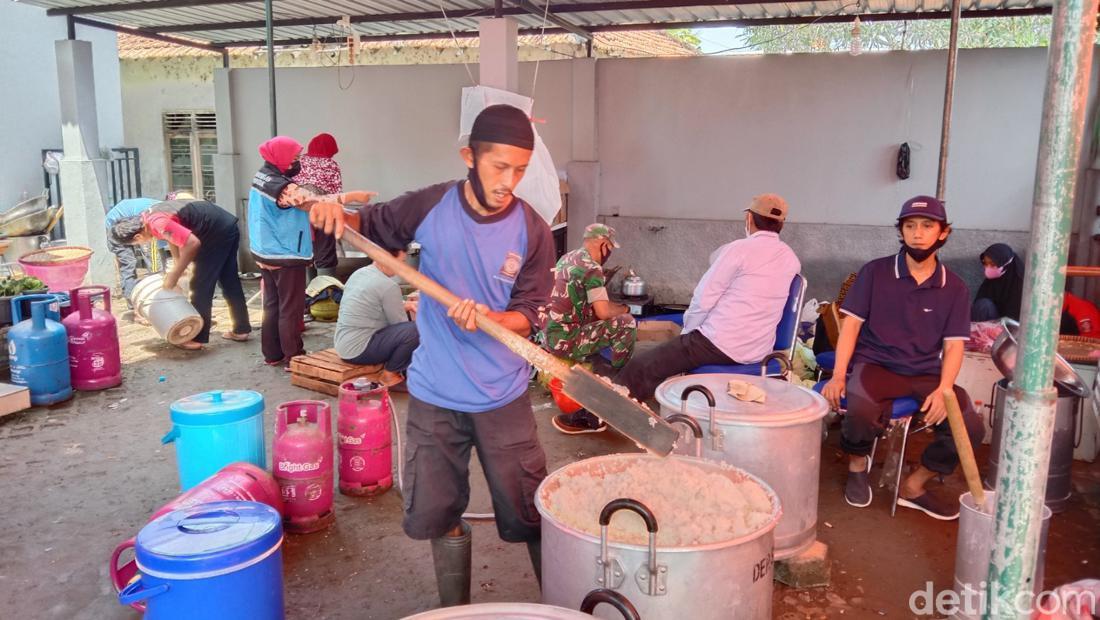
{"x":191,"y":140}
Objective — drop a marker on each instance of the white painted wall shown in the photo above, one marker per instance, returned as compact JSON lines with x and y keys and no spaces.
{"x":180,"y":84}
{"x":30,"y":107}
{"x":397,"y":127}
{"x":698,"y":137}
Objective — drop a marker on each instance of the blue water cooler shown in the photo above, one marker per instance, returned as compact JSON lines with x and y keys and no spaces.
{"x":214,"y":429}
{"x":216,"y":561}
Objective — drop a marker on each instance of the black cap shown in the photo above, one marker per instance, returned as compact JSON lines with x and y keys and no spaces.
{"x":503,"y":124}
{"x":923,"y":206}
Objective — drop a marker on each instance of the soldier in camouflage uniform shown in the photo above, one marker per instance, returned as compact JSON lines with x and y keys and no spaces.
{"x":582,"y":320}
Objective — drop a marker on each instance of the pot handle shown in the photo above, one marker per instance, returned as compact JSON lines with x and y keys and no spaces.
{"x":136,"y":592}
{"x":633,"y":505}
{"x":693,"y":424}
{"x":613,"y":598}
{"x":712,"y":424}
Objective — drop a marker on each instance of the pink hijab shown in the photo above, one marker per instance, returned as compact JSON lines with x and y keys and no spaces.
{"x":280,"y":151}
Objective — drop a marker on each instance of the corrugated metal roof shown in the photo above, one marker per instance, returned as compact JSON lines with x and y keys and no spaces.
{"x":221,"y":22}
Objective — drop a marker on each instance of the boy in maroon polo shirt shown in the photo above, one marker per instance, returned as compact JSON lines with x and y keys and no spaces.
{"x":907,"y":319}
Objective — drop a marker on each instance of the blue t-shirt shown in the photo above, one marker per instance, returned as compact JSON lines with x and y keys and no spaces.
{"x":905,"y":323}
{"x":503,"y":261}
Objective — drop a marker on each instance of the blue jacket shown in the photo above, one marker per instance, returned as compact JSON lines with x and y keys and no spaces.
{"x":276,"y":235}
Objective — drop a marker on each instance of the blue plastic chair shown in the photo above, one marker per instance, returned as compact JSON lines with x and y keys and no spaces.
{"x":901,"y":417}
{"x":825,"y":362}
{"x":779,"y":362}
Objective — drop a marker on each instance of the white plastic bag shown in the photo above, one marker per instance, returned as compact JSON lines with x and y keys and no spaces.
{"x":809,"y":311}
{"x":539,"y":187}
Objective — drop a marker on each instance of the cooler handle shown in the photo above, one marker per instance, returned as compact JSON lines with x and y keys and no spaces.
{"x":613,"y":598}
{"x":136,"y":592}
{"x":171,"y":436}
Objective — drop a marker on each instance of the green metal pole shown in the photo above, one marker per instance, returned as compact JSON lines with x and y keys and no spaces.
{"x":1029,"y":410}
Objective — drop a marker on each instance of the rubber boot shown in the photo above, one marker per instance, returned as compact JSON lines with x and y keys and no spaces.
{"x":451,"y":555}
{"x":534,"y":549}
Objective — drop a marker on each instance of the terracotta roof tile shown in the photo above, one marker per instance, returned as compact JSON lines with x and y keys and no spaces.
{"x":616,"y":44}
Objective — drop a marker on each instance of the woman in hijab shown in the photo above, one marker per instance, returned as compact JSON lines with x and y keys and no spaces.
{"x":320,"y":170}
{"x":280,"y":243}
{"x":1001,"y":293}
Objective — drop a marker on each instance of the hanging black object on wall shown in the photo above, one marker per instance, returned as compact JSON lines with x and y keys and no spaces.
{"x":903,"y":161}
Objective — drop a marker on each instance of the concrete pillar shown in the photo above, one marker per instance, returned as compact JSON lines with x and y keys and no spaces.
{"x":584,"y":169}
{"x":584,"y":110}
{"x":227,"y":186}
{"x":83,"y":169}
{"x":499,"y":65}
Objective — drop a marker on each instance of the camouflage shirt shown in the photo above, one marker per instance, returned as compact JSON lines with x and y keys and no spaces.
{"x":578,"y":281}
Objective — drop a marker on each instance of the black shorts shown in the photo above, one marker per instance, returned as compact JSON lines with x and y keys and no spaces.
{"x":437,"y":472}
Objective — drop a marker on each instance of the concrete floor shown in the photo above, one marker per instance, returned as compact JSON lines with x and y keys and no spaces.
{"x":80,"y":477}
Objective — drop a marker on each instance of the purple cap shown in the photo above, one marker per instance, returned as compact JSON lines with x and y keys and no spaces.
{"x":923,"y":206}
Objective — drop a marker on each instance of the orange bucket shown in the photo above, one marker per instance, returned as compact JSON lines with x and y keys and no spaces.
{"x":567,"y":405}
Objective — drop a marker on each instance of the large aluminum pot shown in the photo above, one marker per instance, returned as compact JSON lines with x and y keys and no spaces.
{"x":779,"y":440}
{"x":532,"y":611}
{"x":1062,"y":444}
{"x":728,"y":579}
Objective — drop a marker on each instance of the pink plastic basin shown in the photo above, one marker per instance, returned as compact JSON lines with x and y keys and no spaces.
{"x":60,"y":269}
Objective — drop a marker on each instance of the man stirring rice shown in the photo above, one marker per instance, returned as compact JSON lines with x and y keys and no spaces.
{"x":467,"y":390}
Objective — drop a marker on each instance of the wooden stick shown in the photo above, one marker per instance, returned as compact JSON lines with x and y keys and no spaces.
{"x":519,"y":345}
{"x":1083,"y":271}
{"x":965,"y":450}
{"x":595,"y":394}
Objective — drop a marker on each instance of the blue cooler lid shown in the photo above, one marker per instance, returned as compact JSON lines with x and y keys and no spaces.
{"x":217,"y":407}
{"x":207,"y":538}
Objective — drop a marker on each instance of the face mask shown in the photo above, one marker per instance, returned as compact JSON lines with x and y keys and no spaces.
{"x":920,"y":255}
{"x":475,"y":185}
{"x":605,"y":253}
{"x":994,"y":272}
{"x":747,"y":231}
{"x":293,"y":170}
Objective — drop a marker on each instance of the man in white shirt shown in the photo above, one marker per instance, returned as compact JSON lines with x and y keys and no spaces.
{"x":735,"y":307}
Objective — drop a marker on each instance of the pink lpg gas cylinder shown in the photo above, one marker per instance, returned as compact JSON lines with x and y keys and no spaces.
{"x":242,"y":481}
{"x":94,"y":359}
{"x":363,"y":430}
{"x":303,"y":464}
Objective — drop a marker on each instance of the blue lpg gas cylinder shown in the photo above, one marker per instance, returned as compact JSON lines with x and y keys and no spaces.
{"x":38,"y":350}
{"x":215,"y":561}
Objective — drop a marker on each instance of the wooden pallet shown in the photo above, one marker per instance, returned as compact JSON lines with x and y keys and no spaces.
{"x":324,"y":371}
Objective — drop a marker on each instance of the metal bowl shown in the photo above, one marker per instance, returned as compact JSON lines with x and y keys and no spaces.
{"x":29,"y":224}
{"x":1004,"y":357}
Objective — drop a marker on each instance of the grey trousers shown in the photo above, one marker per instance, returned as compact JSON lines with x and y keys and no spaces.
{"x":437,"y":468}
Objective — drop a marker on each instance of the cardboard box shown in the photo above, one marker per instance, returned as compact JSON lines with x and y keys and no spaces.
{"x":657,"y":331}
{"x":13,"y":398}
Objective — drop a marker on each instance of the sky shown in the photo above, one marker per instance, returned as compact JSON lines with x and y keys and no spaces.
{"x":719,"y":38}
